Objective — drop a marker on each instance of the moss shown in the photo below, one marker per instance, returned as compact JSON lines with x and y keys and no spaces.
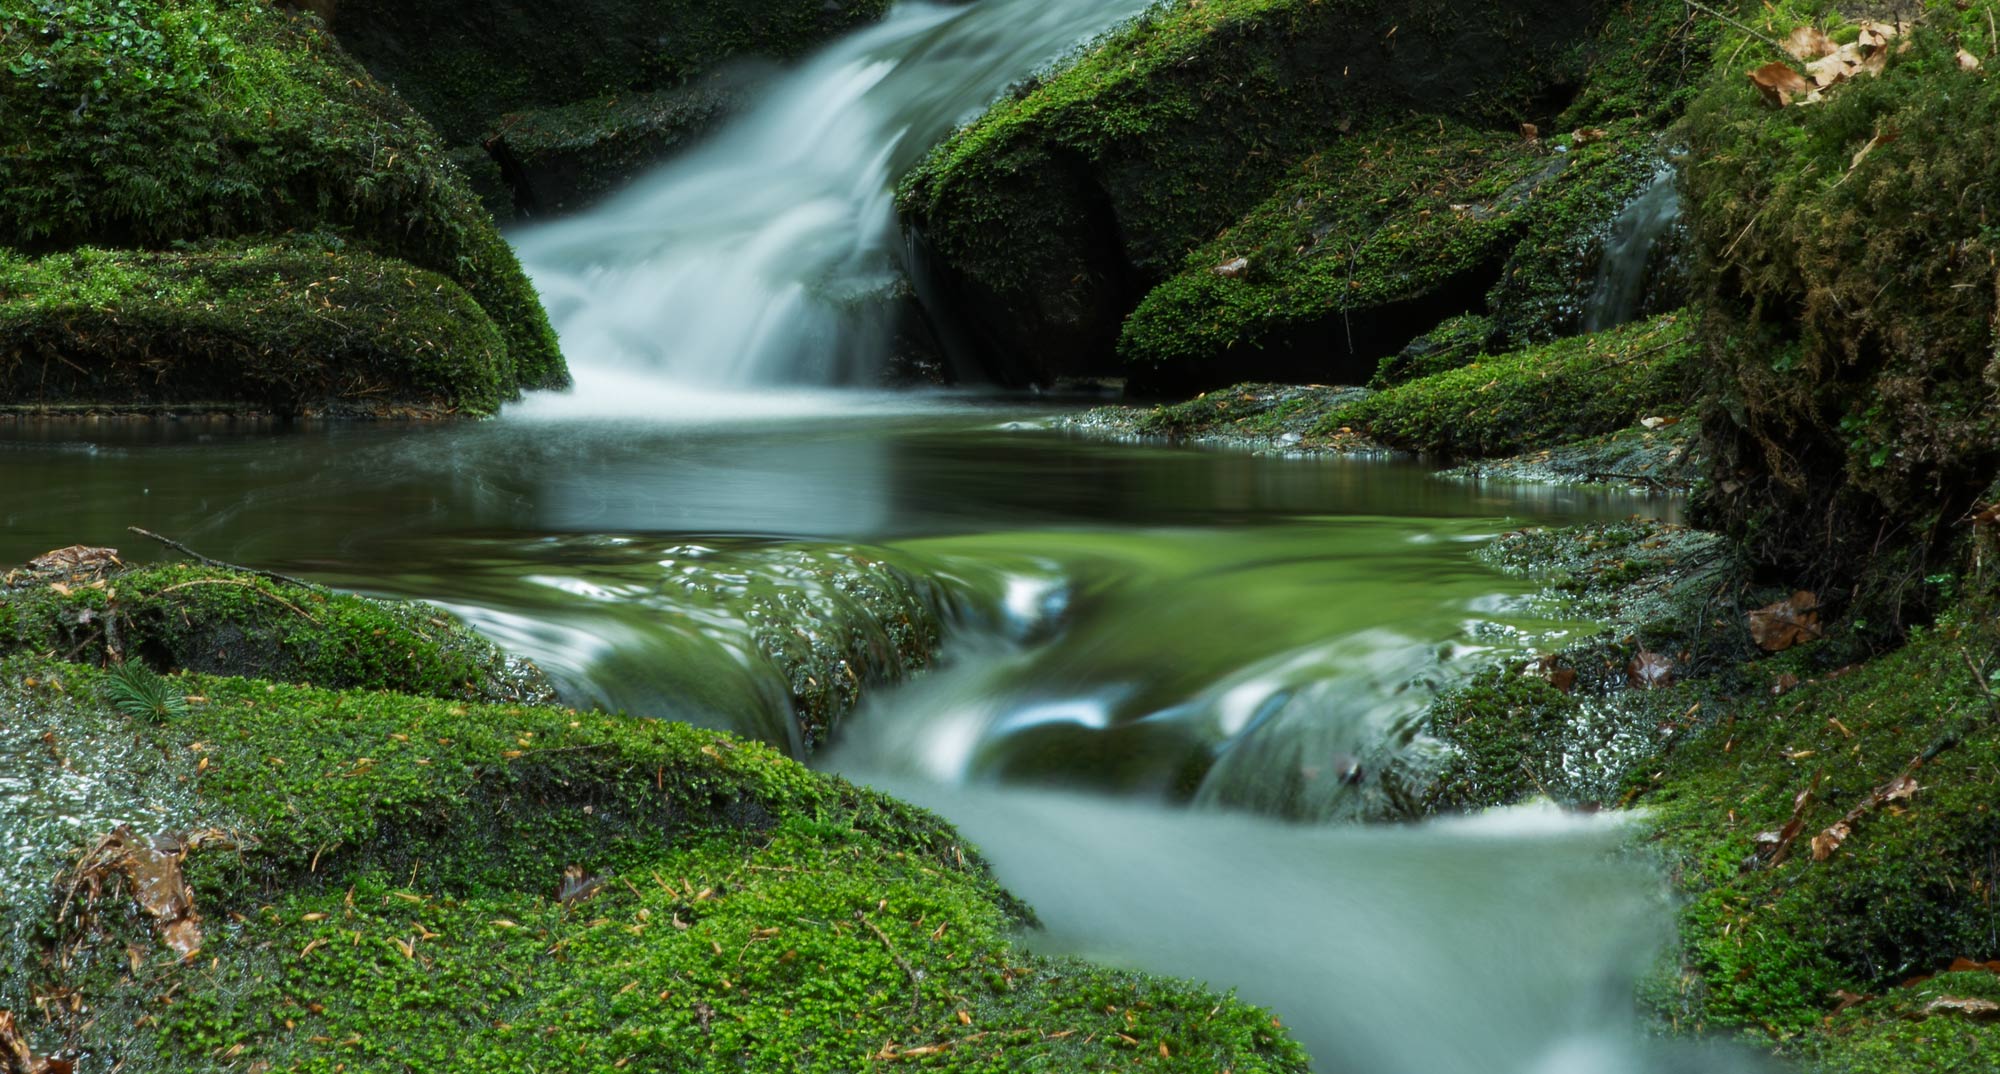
{"x":465,"y":65}
{"x":1453,"y":343}
{"x":1898,"y":1032}
{"x":1532,"y":398}
{"x":1851,"y":324}
{"x":293,"y":327}
{"x":1909,"y":889}
{"x":135,"y":124}
{"x":1244,"y":411}
{"x":394,"y":899}
{"x":206,"y":619}
{"x":1647,"y":61}
{"x":1501,"y":726}
{"x":561,"y":159}
{"x":1050,"y":215}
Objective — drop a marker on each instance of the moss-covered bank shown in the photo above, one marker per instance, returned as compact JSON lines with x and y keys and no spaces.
{"x":210,"y":872}
{"x":1848,"y":249}
{"x":148,"y":126}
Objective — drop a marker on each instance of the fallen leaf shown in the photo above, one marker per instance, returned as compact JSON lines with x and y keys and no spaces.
{"x":1968,"y":1007}
{"x":1828,"y":841}
{"x":1882,"y":137}
{"x":1777,"y":627}
{"x":1807,"y":43}
{"x":1233,"y":270}
{"x":1650,"y":671}
{"x":1531,"y":133}
{"x":18,"y":1057}
{"x":1967,"y":61}
{"x":1847,"y":999}
{"x":1785,"y":682}
{"x":1779,"y":83}
{"x":1546,"y":668}
{"x":578,"y":886}
{"x":1587,"y":135}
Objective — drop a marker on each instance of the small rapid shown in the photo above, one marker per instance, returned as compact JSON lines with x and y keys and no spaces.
{"x":766,"y":257}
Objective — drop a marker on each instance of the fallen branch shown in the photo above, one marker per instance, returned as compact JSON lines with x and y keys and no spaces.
{"x":207,"y":562}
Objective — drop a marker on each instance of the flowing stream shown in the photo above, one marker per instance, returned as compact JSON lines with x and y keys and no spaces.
{"x":1152,"y":662}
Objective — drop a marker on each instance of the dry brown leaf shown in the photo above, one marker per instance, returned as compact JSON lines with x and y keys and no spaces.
{"x":1776,"y":846}
{"x":1967,"y":61}
{"x":1808,"y":43}
{"x":1828,"y":841}
{"x":1847,"y":999}
{"x":1969,"y":1007}
{"x":1587,"y":135}
{"x":1834,"y":68}
{"x":1650,"y":671}
{"x":1546,"y":668}
{"x":1231,"y":270}
{"x":1779,"y":84}
{"x":18,"y":1057}
{"x":1777,"y":627}
{"x":1531,"y":133}
{"x":1785,"y":682}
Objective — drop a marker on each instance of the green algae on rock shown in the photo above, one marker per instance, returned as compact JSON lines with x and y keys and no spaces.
{"x":1853,"y":306}
{"x":1049,"y":217}
{"x":475,"y":887}
{"x":147,"y":125}
{"x":207,"y":619}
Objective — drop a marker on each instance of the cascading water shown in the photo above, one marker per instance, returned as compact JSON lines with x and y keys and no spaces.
{"x":761,"y":258}
{"x":1627,"y":260}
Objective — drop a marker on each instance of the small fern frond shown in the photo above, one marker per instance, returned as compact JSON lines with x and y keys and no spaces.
{"x":141,"y":693}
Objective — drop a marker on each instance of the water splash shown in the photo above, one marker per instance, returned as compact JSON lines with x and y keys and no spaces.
{"x":764,"y":256}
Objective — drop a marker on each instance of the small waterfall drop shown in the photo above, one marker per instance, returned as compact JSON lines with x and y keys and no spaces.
{"x":761,"y":258}
{"x":1623,"y":268}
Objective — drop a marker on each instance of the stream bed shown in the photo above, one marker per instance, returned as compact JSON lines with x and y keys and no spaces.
{"x":1152,"y":664}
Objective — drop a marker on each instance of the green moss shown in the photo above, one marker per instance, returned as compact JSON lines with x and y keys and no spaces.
{"x":292,"y":327}
{"x":1647,"y":62}
{"x":1900,"y":1032}
{"x":140,"y":124}
{"x":565,"y":157}
{"x":394,"y":898}
{"x":1056,"y":209}
{"x":1905,"y":893}
{"x":1852,"y":308}
{"x":1572,"y":388}
{"x":1501,"y":727}
{"x":205,"y":619}
{"x":1453,"y":343}
{"x":1246,"y":411}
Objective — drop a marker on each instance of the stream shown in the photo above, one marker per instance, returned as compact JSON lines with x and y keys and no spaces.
{"x":1168,"y":680}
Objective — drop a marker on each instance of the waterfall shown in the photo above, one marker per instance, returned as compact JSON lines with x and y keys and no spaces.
{"x":761,"y":258}
{"x":1622,"y":269}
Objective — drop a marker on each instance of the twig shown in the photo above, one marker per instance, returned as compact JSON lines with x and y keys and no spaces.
{"x":916,"y":982}
{"x":268,"y":595}
{"x":207,"y":562}
{"x":1706,"y":10}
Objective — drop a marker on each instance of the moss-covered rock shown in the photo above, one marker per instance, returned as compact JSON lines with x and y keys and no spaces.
{"x":222,"y":621}
{"x":466,"y":65}
{"x":1050,"y":217}
{"x":1572,"y":388}
{"x":1874,"y":888}
{"x":390,"y":881}
{"x":145,"y":125}
{"x":1848,"y":253}
{"x":561,"y":159}
{"x":288,"y":328}
{"x":1450,"y":344}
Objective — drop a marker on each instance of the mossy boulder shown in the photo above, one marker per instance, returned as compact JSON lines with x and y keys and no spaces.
{"x":1537,"y":397}
{"x":146,"y":125}
{"x":389,"y":881}
{"x":1879,"y":883}
{"x":290,"y":327}
{"x":1050,"y":217}
{"x":1848,"y":256}
{"x":573,"y":98}
{"x":217,"y":620}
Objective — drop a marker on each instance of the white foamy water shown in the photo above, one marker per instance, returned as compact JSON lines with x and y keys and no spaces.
{"x":760,"y":259}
